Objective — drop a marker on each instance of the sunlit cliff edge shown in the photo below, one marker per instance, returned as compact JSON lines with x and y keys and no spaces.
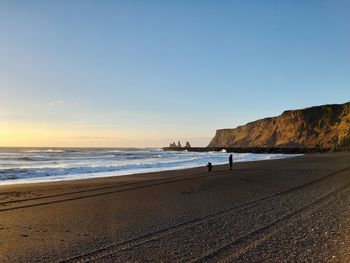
{"x":319,"y":126}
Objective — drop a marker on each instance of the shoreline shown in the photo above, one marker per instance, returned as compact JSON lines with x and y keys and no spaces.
{"x":262,"y":210}
{"x":117,"y":174}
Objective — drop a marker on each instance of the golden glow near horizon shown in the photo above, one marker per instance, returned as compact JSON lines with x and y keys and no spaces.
{"x":49,"y":135}
{"x":31,"y":135}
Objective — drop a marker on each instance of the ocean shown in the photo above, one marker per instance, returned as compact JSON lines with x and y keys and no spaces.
{"x":29,"y":165}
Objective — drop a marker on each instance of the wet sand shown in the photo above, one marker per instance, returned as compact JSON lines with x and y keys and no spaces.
{"x":293,"y":210}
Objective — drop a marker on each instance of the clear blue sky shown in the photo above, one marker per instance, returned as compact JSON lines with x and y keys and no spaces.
{"x":141,"y":73}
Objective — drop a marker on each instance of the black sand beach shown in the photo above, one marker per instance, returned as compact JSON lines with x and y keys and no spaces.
{"x":294,"y":210}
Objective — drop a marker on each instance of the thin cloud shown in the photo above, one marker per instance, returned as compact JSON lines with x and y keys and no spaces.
{"x":55,"y":103}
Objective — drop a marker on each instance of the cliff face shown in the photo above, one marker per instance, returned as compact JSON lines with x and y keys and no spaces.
{"x":323,"y":126}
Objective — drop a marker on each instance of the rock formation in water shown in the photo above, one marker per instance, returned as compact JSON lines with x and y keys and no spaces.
{"x":319,"y":126}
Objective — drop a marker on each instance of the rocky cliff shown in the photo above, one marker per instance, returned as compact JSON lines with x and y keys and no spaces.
{"x":320,"y":126}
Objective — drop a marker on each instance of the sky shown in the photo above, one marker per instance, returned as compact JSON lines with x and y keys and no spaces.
{"x":144,"y":73}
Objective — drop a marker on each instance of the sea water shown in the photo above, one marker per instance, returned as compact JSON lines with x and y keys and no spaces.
{"x":24,"y":165}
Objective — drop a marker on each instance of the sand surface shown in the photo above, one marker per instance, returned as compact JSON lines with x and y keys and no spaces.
{"x":291,"y":210}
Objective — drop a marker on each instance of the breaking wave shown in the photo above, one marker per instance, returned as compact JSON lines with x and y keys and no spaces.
{"x":40,"y":165}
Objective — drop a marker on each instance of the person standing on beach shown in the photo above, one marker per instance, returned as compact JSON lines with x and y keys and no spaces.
{"x":210,"y":166}
{"x":230,"y":160}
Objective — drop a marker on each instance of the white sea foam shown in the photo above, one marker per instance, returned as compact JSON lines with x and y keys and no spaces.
{"x":42,"y":165}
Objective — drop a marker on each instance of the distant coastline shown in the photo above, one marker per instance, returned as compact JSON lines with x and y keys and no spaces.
{"x":285,"y":150}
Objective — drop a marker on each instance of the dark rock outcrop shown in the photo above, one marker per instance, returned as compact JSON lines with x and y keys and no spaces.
{"x":320,"y":126}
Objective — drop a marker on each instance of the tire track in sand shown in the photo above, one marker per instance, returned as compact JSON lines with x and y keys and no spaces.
{"x":139,"y":185}
{"x":231,"y":250}
{"x":130,"y":243}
